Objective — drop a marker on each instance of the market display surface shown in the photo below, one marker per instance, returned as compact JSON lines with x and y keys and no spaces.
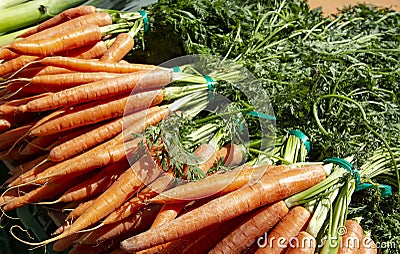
{"x":221,"y":126}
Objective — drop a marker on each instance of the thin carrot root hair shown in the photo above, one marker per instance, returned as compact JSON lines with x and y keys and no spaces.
{"x":22,"y":68}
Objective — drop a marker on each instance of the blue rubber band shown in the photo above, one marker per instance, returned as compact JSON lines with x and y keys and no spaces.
{"x":176,"y":69}
{"x":145,"y":20}
{"x":303,"y":137}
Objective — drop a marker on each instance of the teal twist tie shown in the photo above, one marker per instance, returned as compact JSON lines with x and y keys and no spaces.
{"x":303,"y":137}
{"x":210,"y":82}
{"x":145,"y":20}
{"x":261,"y":115}
{"x":176,"y":69}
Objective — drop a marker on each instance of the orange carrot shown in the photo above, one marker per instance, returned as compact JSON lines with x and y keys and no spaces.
{"x":304,"y":243}
{"x":100,"y":156}
{"x":86,"y":65}
{"x":136,"y":223}
{"x":78,"y":211}
{"x":66,"y":242}
{"x":27,"y":88}
{"x":67,"y":40}
{"x":207,"y":156}
{"x":232,"y":155}
{"x":6,"y":54}
{"x":217,"y":184}
{"x":90,"y":51}
{"x":167,"y":213}
{"x":98,"y":18}
{"x":24,"y":167}
{"x":121,"y":46}
{"x":96,"y":112}
{"x":62,"y":17}
{"x":107,"y":131}
{"x":10,"y":107}
{"x":98,"y":248}
{"x":8,"y":138}
{"x":16,"y":63}
{"x":350,"y":242}
{"x":94,"y":185}
{"x":283,"y":233}
{"x":247,"y":233}
{"x":38,"y":145}
{"x":48,"y":190}
{"x":140,"y":200}
{"x":268,"y":190}
{"x":5,"y":124}
{"x":100,"y":89}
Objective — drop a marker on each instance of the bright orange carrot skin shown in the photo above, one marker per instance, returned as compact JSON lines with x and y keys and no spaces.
{"x":282,"y":234}
{"x":269,"y":189}
{"x":78,"y":211}
{"x":85,"y":65}
{"x":62,"y":17}
{"x":90,"y":51}
{"x":351,"y":241}
{"x":167,"y":213}
{"x":99,"y":90}
{"x":92,"y":113}
{"x":136,"y":223}
{"x":6,"y":54}
{"x":16,"y":63}
{"x":64,"y":41}
{"x":97,"y":18}
{"x":247,"y":233}
{"x":304,"y":244}
{"x":121,"y":46}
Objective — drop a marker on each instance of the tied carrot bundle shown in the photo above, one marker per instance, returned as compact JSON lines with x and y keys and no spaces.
{"x":269,"y":189}
{"x":100,"y":89}
{"x":60,"y":18}
{"x":282,"y":234}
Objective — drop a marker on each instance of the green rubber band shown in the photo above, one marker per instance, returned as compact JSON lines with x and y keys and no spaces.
{"x":261,"y":115}
{"x":145,"y":20}
{"x":210,"y":82}
{"x":346,"y":165}
{"x":176,"y":69}
{"x":303,"y":137}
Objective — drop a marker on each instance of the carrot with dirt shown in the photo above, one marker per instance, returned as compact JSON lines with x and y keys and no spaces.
{"x":230,"y":205}
{"x":62,"y":17}
{"x":294,"y":221}
{"x":304,"y":243}
{"x":121,"y":46}
{"x":249,"y":231}
{"x":100,"y":90}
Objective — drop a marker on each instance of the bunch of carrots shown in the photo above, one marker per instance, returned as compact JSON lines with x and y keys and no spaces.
{"x":80,"y":125}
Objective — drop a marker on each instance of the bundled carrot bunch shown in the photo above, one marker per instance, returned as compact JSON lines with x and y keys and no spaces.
{"x":84,"y":132}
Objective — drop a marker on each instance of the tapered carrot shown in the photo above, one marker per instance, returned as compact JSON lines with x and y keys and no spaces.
{"x":283,"y":233}
{"x":350,"y":242}
{"x":140,"y":200}
{"x":93,"y":113}
{"x":168,"y":213}
{"x":67,"y":40}
{"x":104,"y":132}
{"x":94,"y":185}
{"x":247,"y":233}
{"x":100,"y":156}
{"x":232,"y":155}
{"x":136,"y":223}
{"x":48,"y":190}
{"x":16,"y":63}
{"x":9,"y":137}
{"x":269,"y":189}
{"x":10,"y":107}
{"x":99,"y":90}
{"x":303,"y":243}
{"x":78,"y":211}
{"x":217,"y":183}
{"x":98,"y":248}
{"x":6,"y":54}
{"x":90,"y":51}
{"x":24,"y":167}
{"x":66,"y":242}
{"x":86,"y":65}
{"x":62,"y":17}
{"x":98,"y":18}
{"x":121,"y":46}
{"x":27,"y":88}
{"x":5,"y":124}
{"x":207,"y":156}
{"x":38,"y":145}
